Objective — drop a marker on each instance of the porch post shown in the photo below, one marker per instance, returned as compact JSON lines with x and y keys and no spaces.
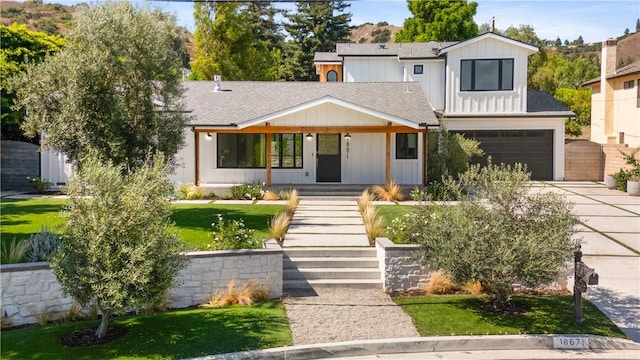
{"x":425,"y":153}
{"x":268,"y":135}
{"x":387,"y":173}
{"x":196,"y":136}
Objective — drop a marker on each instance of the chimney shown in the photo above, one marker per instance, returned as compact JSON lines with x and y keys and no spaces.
{"x":493,"y":24}
{"x":608,"y":59}
{"x":217,"y":79}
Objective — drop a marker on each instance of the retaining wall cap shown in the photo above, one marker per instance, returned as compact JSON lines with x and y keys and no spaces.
{"x":419,"y":345}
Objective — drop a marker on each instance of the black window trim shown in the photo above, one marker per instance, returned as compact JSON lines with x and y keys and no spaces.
{"x":236,"y":152}
{"x":398,"y":150}
{"x":294,"y":152}
{"x":473,"y":74}
{"x":416,"y":67}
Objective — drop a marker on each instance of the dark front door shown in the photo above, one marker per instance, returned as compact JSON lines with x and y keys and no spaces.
{"x":328,"y":158}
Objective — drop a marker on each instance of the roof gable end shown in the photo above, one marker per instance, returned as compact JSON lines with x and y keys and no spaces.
{"x":530,"y":48}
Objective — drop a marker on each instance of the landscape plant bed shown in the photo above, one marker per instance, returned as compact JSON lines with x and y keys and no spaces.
{"x":444,"y":315}
{"x":23,"y":217}
{"x":168,"y":335}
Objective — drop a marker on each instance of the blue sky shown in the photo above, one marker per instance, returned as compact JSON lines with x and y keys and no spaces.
{"x":594,"y":20}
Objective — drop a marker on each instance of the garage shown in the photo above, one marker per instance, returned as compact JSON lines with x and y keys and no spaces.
{"x":531,"y":147}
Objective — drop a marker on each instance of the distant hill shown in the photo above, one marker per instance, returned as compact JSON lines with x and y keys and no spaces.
{"x":53,"y":19}
{"x":374,"y":33}
{"x":628,"y":49}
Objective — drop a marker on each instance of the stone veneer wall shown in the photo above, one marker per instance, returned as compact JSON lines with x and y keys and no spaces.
{"x":30,"y":290}
{"x":19,"y":160}
{"x":399,"y":269}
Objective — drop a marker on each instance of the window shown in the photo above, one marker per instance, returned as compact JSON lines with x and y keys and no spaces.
{"x":332,"y":76}
{"x":407,"y":146}
{"x":286,"y":151}
{"x":241,"y":150}
{"x":628,"y":84}
{"x":486,"y":75}
{"x":418,"y":69}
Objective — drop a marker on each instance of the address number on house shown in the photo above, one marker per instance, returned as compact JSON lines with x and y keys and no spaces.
{"x":565,"y":342}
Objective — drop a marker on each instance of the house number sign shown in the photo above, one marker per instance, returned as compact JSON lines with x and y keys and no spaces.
{"x":568,"y":342}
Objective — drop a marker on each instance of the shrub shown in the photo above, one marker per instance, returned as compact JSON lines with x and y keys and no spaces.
{"x":283,"y":195}
{"x":292,"y":202}
{"x":389,"y":192}
{"x":270,"y":195}
{"x":440,"y":283}
{"x":278,"y":226}
{"x":632,"y":171}
{"x":39,"y":185}
{"x":231,"y":235}
{"x":364,"y":200}
{"x":449,"y":154}
{"x":13,"y":251}
{"x":473,"y":287}
{"x":253,"y":291}
{"x":434,"y":191}
{"x":405,"y":229}
{"x":191,"y":192}
{"x":43,"y":245}
{"x":373,"y":224}
{"x":247,"y":191}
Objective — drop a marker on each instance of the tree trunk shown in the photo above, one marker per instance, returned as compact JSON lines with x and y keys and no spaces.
{"x":104,"y":324}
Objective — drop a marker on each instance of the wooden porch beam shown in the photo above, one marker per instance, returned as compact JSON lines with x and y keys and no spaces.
{"x":196,"y":135}
{"x":425,"y":153}
{"x":387,"y":165}
{"x":268,"y":158}
{"x":313,"y":129}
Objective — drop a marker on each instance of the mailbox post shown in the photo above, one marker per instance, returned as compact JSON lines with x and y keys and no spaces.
{"x":583,"y":276}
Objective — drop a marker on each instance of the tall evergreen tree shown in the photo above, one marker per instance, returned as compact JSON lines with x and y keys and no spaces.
{"x":240,"y":41}
{"x":439,"y":20}
{"x":315,"y":26}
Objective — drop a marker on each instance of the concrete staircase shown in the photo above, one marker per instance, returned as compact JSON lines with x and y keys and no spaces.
{"x":349,"y":267}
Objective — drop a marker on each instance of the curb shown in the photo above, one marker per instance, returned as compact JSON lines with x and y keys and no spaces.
{"x":426,"y":344}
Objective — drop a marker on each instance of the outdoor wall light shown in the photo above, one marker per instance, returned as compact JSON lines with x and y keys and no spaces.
{"x":309,"y":136}
{"x":208,"y":136}
{"x":347,"y":136}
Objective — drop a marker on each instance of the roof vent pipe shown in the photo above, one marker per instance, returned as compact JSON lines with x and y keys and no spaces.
{"x":217,"y":79}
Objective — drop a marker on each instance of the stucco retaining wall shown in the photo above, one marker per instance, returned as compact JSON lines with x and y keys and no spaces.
{"x":30,"y":290}
{"x":399,"y":267}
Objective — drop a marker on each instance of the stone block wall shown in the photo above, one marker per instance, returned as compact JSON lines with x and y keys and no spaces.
{"x":614,"y":161}
{"x":30,"y":290}
{"x":399,"y":268}
{"x":19,"y":161}
{"x":583,"y":161}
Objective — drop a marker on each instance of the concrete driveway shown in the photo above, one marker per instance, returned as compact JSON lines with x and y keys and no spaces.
{"x":610,"y":232}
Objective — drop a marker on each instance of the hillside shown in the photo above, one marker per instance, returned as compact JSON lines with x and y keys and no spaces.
{"x":374,"y":33}
{"x":49,"y":18}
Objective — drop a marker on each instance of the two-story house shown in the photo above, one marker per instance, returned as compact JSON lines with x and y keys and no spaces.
{"x":615,"y":100}
{"x":477,"y":87}
{"x":367,"y":121}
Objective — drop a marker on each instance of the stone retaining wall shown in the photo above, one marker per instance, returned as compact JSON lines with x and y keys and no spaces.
{"x":19,"y":161}
{"x":31,"y":291}
{"x":399,"y":268}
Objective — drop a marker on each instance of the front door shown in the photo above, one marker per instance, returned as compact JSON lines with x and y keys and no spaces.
{"x":328,"y":158}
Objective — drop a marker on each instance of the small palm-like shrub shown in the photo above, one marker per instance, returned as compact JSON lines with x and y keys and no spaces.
{"x":364,"y":200}
{"x":440,"y":283}
{"x":373,"y":224}
{"x":389,"y":192}
{"x":279,"y":225}
{"x":43,"y":245}
{"x":13,"y":251}
{"x":190,"y":192}
{"x":251,"y":292}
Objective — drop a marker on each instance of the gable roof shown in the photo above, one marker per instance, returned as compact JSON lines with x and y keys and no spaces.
{"x":400,"y":50}
{"x":630,"y":69}
{"x":489,"y":35}
{"x":542,"y":103}
{"x":246,"y":103}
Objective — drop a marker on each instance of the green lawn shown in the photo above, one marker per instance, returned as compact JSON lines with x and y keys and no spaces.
{"x":168,"y":335}
{"x":21,"y":217}
{"x":390,"y":212}
{"x":444,"y":315}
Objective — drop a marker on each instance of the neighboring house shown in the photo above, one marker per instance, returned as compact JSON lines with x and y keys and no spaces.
{"x":367,"y":121}
{"x":477,"y":87}
{"x":615,"y":100}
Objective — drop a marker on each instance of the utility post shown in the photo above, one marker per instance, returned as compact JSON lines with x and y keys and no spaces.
{"x":583,"y":276}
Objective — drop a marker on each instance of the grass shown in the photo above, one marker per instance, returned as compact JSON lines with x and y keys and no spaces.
{"x":390,"y":212}
{"x":21,"y":217}
{"x":445,"y":315}
{"x":169,"y":335}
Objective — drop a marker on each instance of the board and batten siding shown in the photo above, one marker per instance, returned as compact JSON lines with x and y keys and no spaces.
{"x":431,"y":80}
{"x":473,"y":102}
{"x":372,"y":69}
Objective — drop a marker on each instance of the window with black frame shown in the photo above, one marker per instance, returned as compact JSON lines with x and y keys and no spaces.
{"x":406,"y":146}
{"x":286,"y":151}
{"x":486,"y":75}
{"x":241,"y":151}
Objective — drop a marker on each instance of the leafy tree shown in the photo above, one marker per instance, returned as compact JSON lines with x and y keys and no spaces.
{"x":525,"y":33}
{"x":119,"y":250}
{"x":558,"y":42}
{"x":115,"y":88}
{"x":439,"y":20}
{"x":638,"y":25}
{"x":579,"y":101}
{"x":20,"y":47}
{"x":240,"y":41}
{"x":315,"y":26}
{"x":505,"y":233}
{"x":449,"y":154}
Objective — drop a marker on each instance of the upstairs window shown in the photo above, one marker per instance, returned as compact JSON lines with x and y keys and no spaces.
{"x":407,"y":146}
{"x":486,"y":75}
{"x":628,"y":84}
{"x":332,"y":76}
{"x":418,"y":69}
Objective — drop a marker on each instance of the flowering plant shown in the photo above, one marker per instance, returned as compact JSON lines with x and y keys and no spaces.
{"x":231,"y":235}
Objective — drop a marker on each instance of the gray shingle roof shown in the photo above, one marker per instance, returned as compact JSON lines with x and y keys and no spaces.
{"x":401,"y":50}
{"x":326,"y":57}
{"x":542,"y":103}
{"x":242,"y":102}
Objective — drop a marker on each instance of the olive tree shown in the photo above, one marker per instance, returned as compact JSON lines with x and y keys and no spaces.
{"x":119,"y":250}
{"x":115,"y":88}
{"x":501,"y":233}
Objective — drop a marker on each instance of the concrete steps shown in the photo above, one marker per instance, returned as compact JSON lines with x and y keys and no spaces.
{"x":348,"y":267}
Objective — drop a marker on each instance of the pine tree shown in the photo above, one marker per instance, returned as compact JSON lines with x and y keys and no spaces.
{"x":315,"y":26}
